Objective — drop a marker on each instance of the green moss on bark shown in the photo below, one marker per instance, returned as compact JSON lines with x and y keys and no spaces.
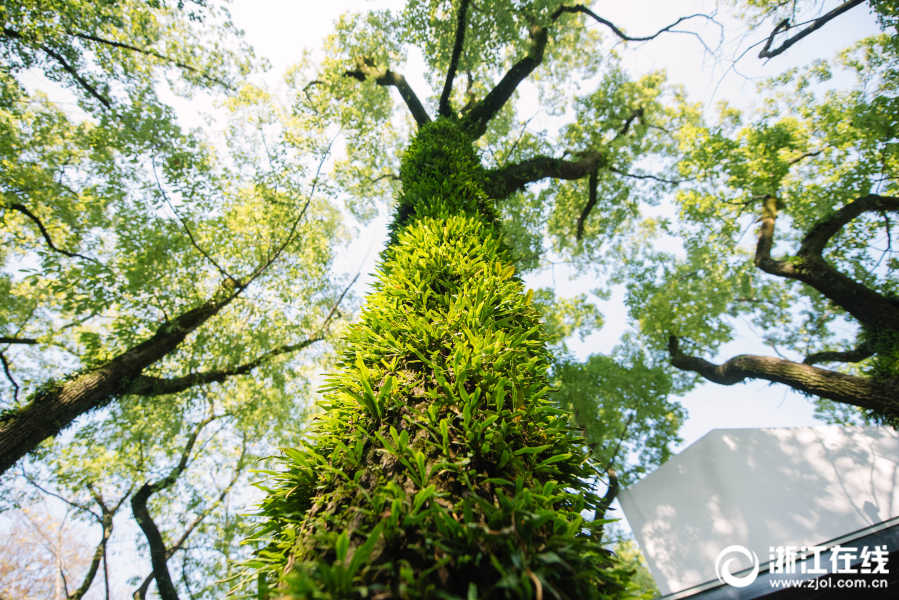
{"x":439,"y":468}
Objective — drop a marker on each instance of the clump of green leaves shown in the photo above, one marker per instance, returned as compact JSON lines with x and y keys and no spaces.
{"x":439,"y":468}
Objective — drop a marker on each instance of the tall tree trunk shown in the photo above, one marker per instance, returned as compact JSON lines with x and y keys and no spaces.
{"x":439,"y":463}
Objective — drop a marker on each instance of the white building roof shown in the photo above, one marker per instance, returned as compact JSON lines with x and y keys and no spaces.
{"x":760,"y":488}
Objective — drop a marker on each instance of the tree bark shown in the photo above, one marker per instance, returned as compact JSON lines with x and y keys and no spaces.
{"x":868,"y":307}
{"x":158,"y":553}
{"x":839,"y":387}
{"x":50,"y":411}
{"x":508,"y":180}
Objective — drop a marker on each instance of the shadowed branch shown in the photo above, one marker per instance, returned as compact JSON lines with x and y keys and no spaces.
{"x":816,"y":25}
{"x":444,"y":108}
{"x":867,"y":306}
{"x":365,"y":68}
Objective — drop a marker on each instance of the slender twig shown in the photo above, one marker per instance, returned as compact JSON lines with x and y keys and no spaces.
{"x":148,"y":52}
{"x":635,"y":176}
{"x":524,"y":128}
{"x":262,"y":267}
{"x":621,"y":34}
{"x":24,"y":210}
{"x":804,"y":155}
{"x":190,"y":236}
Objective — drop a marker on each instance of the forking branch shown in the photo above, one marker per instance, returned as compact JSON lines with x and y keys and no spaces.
{"x":365,"y":68}
{"x":476,"y":119}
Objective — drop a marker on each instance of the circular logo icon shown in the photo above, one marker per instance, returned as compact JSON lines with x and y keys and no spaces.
{"x":722,"y":569}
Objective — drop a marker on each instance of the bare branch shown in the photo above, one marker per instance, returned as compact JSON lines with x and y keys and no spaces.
{"x":146,"y":385}
{"x":22,"y":209}
{"x":445,"y":110}
{"x":635,"y":176}
{"x":804,"y":155}
{"x":637,"y":114}
{"x":816,"y":239}
{"x":476,"y":119}
{"x":54,"y":409}
{"x":12,"y":381}
{"x":190,"y":236}
{"x":816,"y":25}
{"x":141,"y":592}
{"x":139,"y":501}
{"x":617,"y":31}
{"x":867,"y":306}
{"x":11,"y":33}
{"x":365,"y":69}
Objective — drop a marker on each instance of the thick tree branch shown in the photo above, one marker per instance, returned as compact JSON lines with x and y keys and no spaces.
{"x":816,"y":239}
{"x":445,"y":110}
{"x":139,"y":501}
{"x":816,"y":25}
{"x":52,"y":410}
{"x":591,"y":202}
{"x":365,"y":69}
{"x":850,"y":356}
{"x":476,"y":119}
{"x":24,"y":210}
{"x":839,"y":387}
{"x":868,"y":307}
{"x":18,"y":340}
{"x":146,"y":385}
{"x":508,"y":180}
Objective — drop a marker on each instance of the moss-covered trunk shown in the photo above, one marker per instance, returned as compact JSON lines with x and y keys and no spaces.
{"x":439,"y":468}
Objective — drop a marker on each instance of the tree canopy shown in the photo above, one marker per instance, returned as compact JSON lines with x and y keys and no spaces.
{"x":169,"y":293}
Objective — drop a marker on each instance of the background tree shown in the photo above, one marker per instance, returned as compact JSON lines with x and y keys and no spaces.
{"x":161,"y":273}
{"x":818,"y":172}
{"x":41,"y":556}
{"x":124,"y":235}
